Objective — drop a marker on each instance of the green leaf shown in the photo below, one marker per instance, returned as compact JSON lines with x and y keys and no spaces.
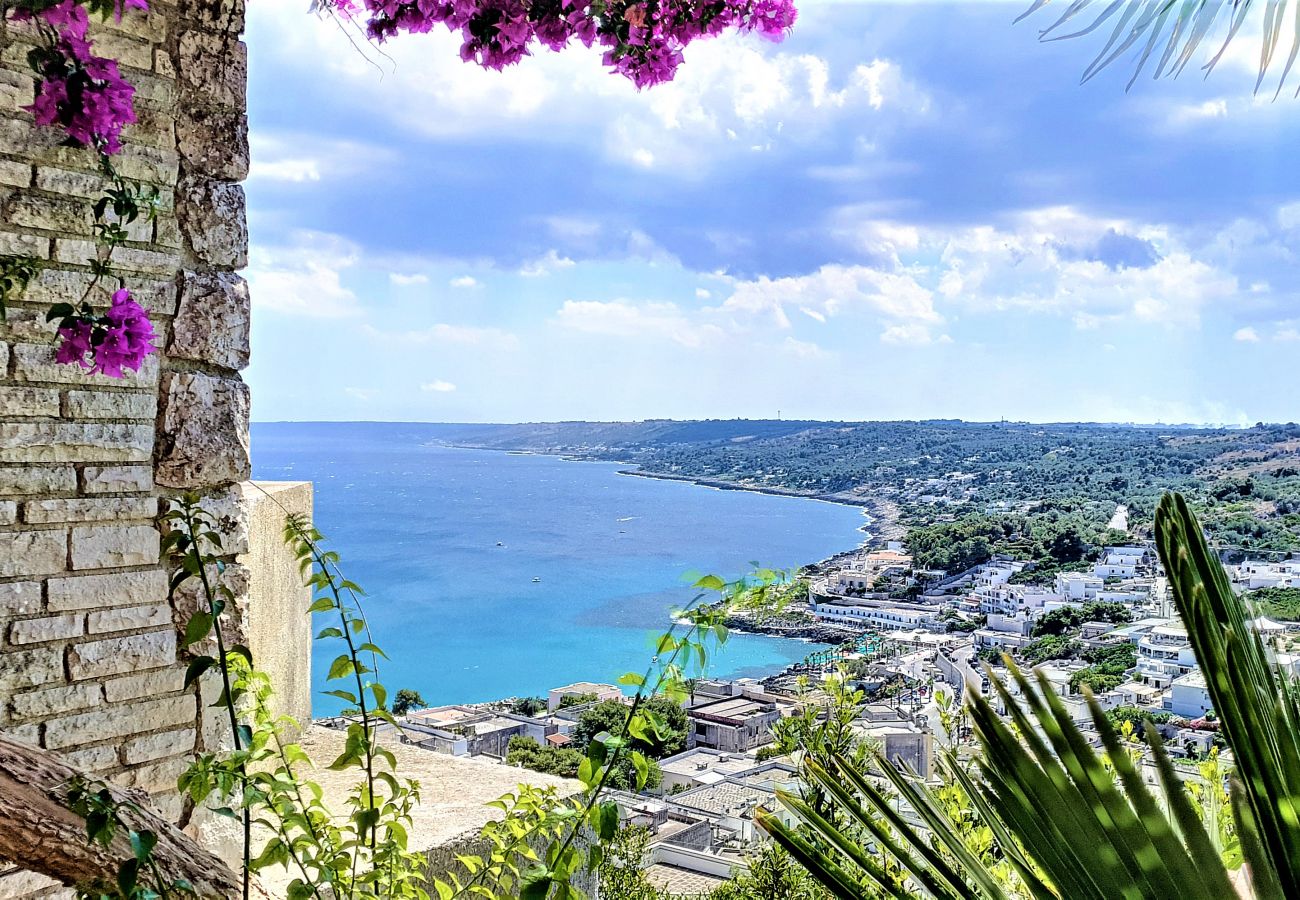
{"x":197,"y":667}
{"x":198,"y":628}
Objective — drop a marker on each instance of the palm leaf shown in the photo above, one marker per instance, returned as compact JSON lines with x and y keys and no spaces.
{"x":1141,"y":26}
{"x":1257,"y":709}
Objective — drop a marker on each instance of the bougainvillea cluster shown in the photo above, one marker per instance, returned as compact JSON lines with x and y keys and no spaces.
{"x":80,"y":92}
{"x":643,"y":40}
{"x":118,"y":340}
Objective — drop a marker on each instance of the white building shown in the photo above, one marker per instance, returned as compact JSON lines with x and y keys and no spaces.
{"x":1188,"y":696}
{"x":1164,"y":654}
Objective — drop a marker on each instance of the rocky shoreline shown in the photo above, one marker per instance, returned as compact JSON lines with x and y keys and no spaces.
{"x":777,"y":626}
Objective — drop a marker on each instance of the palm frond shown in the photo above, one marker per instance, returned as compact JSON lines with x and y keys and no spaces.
{"x":1177,"y":29}
{"x":1256,"y":707}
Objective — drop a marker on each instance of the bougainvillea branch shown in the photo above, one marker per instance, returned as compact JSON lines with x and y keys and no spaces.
{"x":642,"y":40}
{"x":86,"y":96}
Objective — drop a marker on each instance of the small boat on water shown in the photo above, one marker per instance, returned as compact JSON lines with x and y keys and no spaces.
{"x":536,"y":579}
{"x":500,"y":544}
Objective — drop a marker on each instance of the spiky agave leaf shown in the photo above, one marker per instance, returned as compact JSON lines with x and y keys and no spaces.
{"x":1053,"y":806}
{"x":1257,"y":709}
{"x":1177,"y":28}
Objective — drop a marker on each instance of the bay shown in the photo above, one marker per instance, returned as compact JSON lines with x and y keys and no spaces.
{"x":495,"y":574}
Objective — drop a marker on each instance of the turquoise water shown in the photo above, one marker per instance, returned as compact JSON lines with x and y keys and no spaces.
{"x":462,"y":618}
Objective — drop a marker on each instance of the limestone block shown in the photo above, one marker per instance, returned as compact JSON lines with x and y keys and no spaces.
{"x":126,"y":49}
{"x":28,"y":734}
{"x":68,"y":698}
{"x":131,"y":618}
{"x":115,"y":656}
{"x":77,"y":252}
{"x":145,"y":684}
{"x":17,"y":90}
{"x":42,"y":442}
{"x":143,"y":163}
{"x":202,"y":431}
{"x":156,"y":777}
{"x":224,"y":15}
{"x":118,"y":721}
{"x":213,"y":220}
{"x":157,"y":296}
{"x":17,"y":243}
{"x":27,"y":401}
{"x":35,"y":362}
{"x":105,"y":509}
{"x":91,"y":759}
{"x":109,"y":589}
{"x":34,"y":480}
{"x":8,"y":512}
{"x":63,"y":286}
{"x":33,"y":553}
{"x":153,"y":127}
{"x":21,"y":598}
{"x":114,"y":479}
{"x":41,"y":631}
{"x":110,"y":405}
{"x":212,"y":319}
{"x":13,"y":174}
{"x":86,"y":185}
{"x":158,"y":746}
{"x":213,"y":68}
{"x":28,"y":668}
{"x":109,"y":546}
{"x":48,"y":213}
{"x":214,"y":141}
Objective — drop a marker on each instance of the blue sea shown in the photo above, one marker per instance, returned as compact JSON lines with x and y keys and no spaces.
{"x":493,"y":574}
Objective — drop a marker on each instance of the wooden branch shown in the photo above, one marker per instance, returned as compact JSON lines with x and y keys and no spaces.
{"x":40,"y":833}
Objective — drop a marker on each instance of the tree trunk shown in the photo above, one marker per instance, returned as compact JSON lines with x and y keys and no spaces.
{"x":40,"y":833}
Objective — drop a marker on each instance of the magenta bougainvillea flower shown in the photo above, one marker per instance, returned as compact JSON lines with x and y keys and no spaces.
{"x":643,"y":41}
{"x":83,"y":93}
{"x":119,"y":340}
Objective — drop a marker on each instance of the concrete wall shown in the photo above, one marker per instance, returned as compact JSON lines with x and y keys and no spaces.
{"x":89,"y":659}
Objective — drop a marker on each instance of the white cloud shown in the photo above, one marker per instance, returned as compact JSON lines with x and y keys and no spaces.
{"x":703,"y":293}
{"x":304,"y":277}
{"x":438,"y":387}
{"x":401,"y":280}
{"x":362,"y":394}
{"x":912,"y":333}
{"x":1247,"y":334}
{"x":296,"y":170}
{"x":623,"y":318}
{"x":1095,"y":271}
{"x":464,"y":281}
{"x":549,"y":262}
{"x":833,"y":290}
{"x":1191,"y":113}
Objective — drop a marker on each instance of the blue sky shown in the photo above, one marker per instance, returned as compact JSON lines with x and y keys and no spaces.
{"x":905,"y":210}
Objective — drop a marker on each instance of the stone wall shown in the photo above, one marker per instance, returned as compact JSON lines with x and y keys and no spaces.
{"x":89,"y":659}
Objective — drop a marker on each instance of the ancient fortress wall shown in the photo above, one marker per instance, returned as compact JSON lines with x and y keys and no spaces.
{"x":89,"y":658}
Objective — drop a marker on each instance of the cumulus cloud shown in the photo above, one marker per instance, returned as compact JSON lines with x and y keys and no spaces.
{"x":833,"y":290}
{"x":549,"y":262}
{"x":401,"y":280}
{"x":304,"y":277}
{"x":1247,"y":334}
{"x":438,"y":387}
{"x":464,"y":281}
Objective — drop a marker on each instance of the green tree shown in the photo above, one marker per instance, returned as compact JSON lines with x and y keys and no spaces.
{"x":610,"y":716}
{"x":407,"y":700}
{"x":528,"y":706}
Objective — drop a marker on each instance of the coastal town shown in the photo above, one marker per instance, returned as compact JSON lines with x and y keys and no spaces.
{"x":898,"y":646}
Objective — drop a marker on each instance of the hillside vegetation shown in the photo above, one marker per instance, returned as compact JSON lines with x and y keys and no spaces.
{"x":1050,"y":490}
